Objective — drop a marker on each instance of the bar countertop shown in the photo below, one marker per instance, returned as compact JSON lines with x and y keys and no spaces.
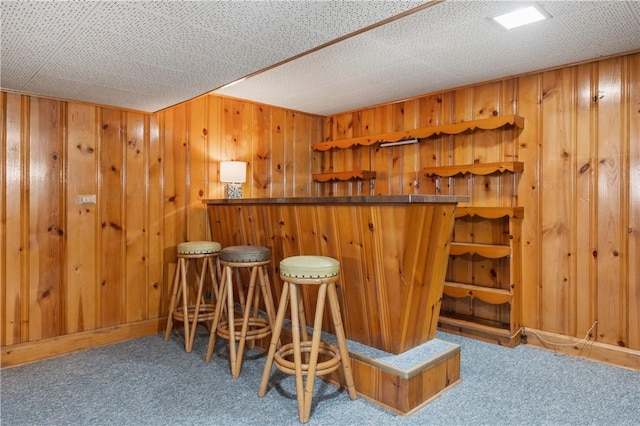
{"x":375,"y":199}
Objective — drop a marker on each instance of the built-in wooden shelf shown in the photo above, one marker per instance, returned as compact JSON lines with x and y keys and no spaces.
{"x":480,"y":169}
{"x":344,"y":176}
{"x":425,"y":132}
{"x":491,"y":212}
{"x":491,"y":251}
{"x":494,"y":296}
{"x":476,"y":328}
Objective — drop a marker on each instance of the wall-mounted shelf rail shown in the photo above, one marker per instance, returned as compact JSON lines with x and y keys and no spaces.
{"x":480,"y":169}
{"x":425,"y":132}
{"x":344,"y":176}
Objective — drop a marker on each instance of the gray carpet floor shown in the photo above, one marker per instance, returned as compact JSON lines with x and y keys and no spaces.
{"x":151,"y":382}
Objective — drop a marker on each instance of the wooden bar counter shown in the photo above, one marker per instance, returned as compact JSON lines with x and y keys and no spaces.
{"x":393,"y":252}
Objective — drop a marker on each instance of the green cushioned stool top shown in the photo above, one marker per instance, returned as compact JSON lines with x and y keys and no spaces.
{"x":309,"y":267}
{"x":242,"y":254}
{"x":198,"y":247}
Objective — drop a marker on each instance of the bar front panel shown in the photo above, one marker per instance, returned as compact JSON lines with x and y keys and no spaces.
{"x":393,"y":259}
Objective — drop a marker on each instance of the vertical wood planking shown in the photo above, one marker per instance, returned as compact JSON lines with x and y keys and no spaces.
{"x":112,"y":238}
{"x":410,"y":160}
{"x":278,"y":163}
{"x":598,"y":218}
{"x":557,"y":191}
{"x":289,"y":153}
{"x":262,"y":153}
{"x":46,"y":245}
{"x":214,"y":146}
{"x":157,"y":284}
{"x":135,"y":172}
{"x":365,"y":155}
{"x":198,"y":158}
{"x":611,"y":282}
{"x":385,"y":158}
{"x":12,"y":274}
{"x":633,"y":91}
{"x":431,"y":115}
{"x":301,"y":154}
{"x":82,"y":220}
{"x":530,"y":141}
{"x":585,"y":218}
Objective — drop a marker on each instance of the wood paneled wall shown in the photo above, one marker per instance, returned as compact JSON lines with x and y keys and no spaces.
{"x":70,"y":273}
{"x":580,"y":188}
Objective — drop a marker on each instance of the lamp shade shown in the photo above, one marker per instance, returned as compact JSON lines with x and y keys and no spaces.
{"x":233,"y":171}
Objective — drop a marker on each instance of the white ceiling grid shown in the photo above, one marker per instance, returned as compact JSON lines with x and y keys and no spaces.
{"x":149,"y":55}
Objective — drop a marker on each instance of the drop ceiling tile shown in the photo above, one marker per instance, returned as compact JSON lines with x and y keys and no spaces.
{"x":55,"y":87}
{"x":28,"y":19}
{"x":179,"y":10}
{"x":344,"y":17}
{"x":87,"y":70}
{"x":634,"y":7}
{"x":560,"y":9}
{"x":87,"y":43}
{"x":290,"y":40}
{"x":432,"y":26}
{"x":115,"y":97}
{"x":242,"y":19}
{"x":203,"y":43}
{"x":603,"y":14}
{"x":128,"y":21}
{"x":164,"y":47}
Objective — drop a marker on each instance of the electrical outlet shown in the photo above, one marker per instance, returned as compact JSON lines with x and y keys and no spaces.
{"x":86,"y":199}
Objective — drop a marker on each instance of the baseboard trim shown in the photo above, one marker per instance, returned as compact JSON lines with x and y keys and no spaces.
{"x":25,"y":353}
{"x":596,"y":351}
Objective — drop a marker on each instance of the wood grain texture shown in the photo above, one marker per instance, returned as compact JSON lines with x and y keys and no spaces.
{"x":68,"y":269}
{"x":393,"y":260}
{"x":579,"y":190}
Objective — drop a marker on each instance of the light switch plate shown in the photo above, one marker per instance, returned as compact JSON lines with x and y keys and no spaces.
{"x":87,"y":199}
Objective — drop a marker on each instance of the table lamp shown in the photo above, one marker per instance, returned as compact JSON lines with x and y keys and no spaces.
{"x":234,"y":174}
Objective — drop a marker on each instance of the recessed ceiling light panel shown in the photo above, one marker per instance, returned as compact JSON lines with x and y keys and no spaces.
{"x":520,"y":17}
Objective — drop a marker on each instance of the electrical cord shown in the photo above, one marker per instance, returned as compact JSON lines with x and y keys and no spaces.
{"x":584,"y":340}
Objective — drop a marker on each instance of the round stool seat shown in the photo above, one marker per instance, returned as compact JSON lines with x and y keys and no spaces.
{"x":245,"y":254}
{"x":198,"y":247}
{"x":309,"y":267}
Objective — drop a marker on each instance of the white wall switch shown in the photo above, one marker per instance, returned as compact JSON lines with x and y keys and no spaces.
{"x":87,"y":199}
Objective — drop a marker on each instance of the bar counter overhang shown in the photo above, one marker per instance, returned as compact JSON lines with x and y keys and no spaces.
{"x":393,"y":252}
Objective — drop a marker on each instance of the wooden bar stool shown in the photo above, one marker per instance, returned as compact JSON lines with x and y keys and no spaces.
{"x":250,"y":326}
{"x":199,"y":310}
{"x":308,"y":270}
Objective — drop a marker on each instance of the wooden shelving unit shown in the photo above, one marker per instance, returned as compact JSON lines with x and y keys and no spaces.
{"x":491,"y":123}
{"x":465,"y":303}
{"x":344,"y":176}
{"x":481,"y":169}
{"x":482,"y":290}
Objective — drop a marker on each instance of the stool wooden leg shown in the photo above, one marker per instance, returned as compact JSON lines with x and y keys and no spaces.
{"x":185,"y":303}
{"x":342,"y":340}
{"x":302,"y":316}
{"x":231,"y":319}
{"x":313,"y":357}
{"x":267,"y":295}
{"x":236,"y":364}
{"x":255,"y":310}
{"x":214,"y":280}
{"x":217,"y":315}
{"x":275,"y":339}
{"x":172,"y":302}
{"x":196,"y":311}
{"x":239,"y":289}
{"x":297,"y":354}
